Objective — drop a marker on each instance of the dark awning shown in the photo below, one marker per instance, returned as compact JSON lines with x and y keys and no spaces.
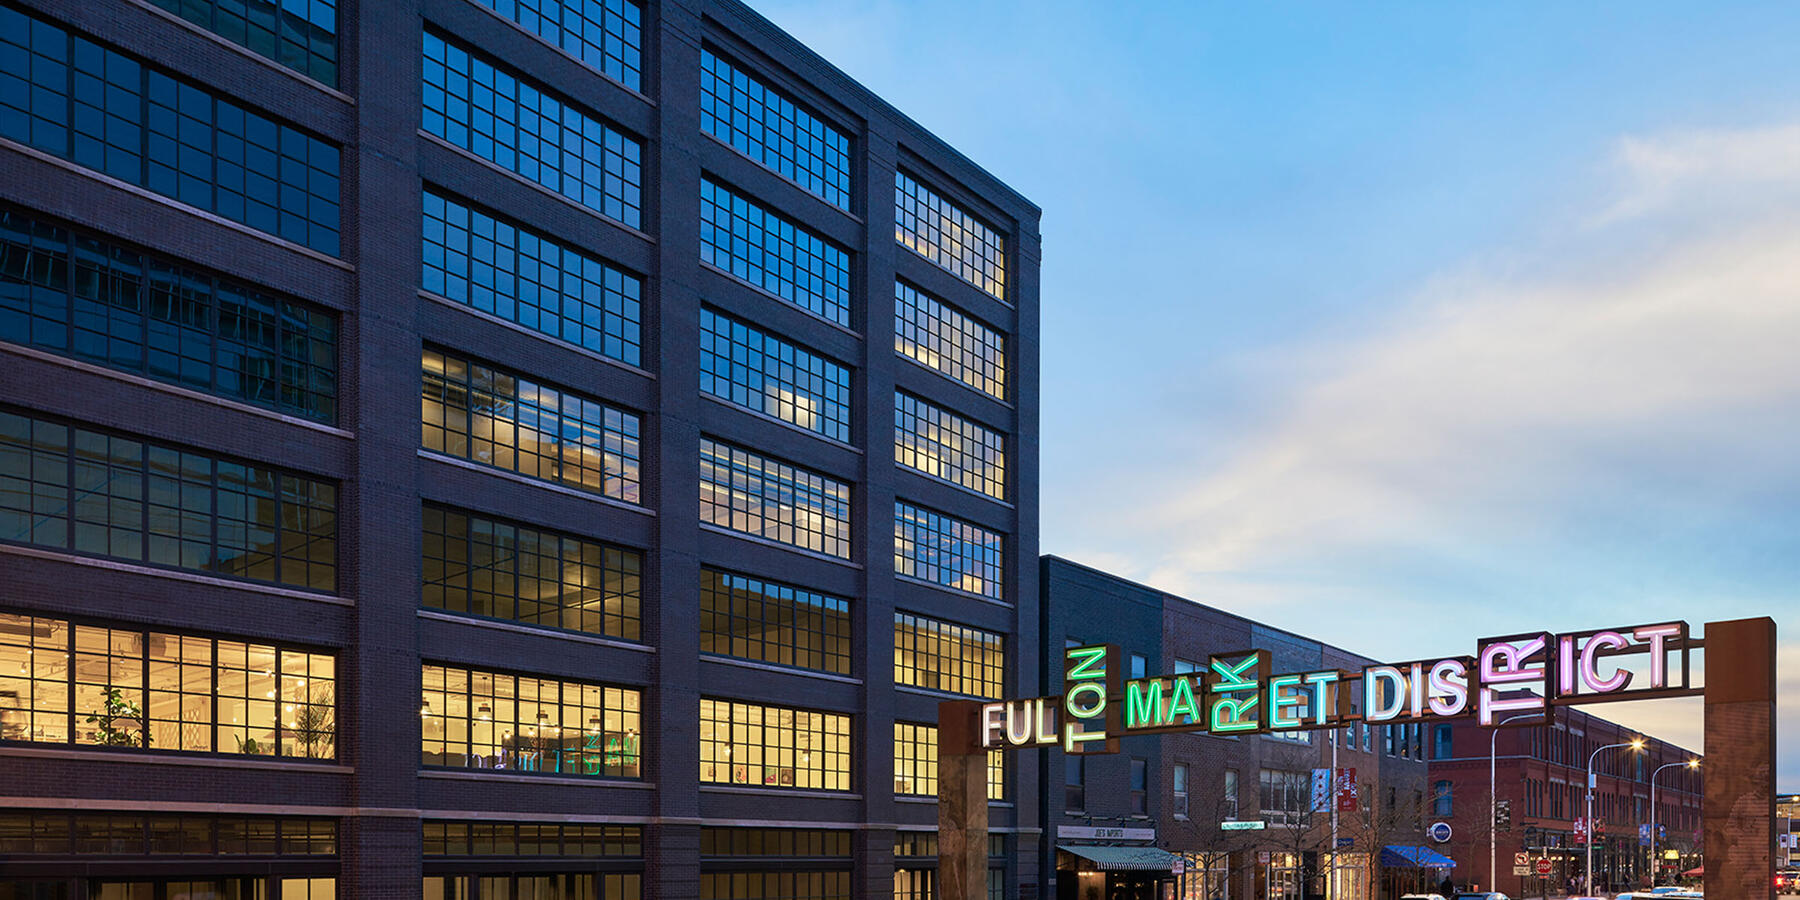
{"x":1124,"y":859}
{"x":1402,"y":857}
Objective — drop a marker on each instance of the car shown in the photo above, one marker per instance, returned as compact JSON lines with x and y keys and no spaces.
{"x":1421,"y":897}
{"x":1479,"y":895}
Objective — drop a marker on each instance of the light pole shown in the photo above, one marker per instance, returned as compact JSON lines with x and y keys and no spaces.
{"x":1493,"y":801}
{"x":1691,"y":764}
{"x":1637,"y":744}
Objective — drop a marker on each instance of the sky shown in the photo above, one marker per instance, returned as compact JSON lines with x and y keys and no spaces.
{"x":1399,"y":325}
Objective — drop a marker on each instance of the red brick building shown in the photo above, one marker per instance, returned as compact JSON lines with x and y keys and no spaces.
{"x":1538,"y":777}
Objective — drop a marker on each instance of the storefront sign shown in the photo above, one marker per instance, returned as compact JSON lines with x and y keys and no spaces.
{"x":1250,"y":825}
{"x":1239,"y":693}
{"x":1097,"y":833}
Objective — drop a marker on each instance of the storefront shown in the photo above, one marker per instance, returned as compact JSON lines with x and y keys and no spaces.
{"x":1112,"y":872}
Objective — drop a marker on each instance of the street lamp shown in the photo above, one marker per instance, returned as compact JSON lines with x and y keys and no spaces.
{"x":1637,"y":744}
{"x":1493,"y":801}
{"x":1691,"y":764}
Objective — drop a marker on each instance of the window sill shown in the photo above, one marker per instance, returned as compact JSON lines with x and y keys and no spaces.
{"x":788,"y":181}
{"x":534,"y":333}
{"x":533,"y":482}
{"x":522,"y":180}
{"x":900,"y":466}
{"x":778,"y":792}
{"x":557,"y":633}
{"x":908,"y":579}
{"x":777,"y":545}
{"x":163,"y":759}
{"x":940,"y":695}
{"x":764,"y":292}
{"x":958,"y":382}
{"x":535,"y":778}
{"x":176,"y":574}
{"x":758,"y":414}
{"x":776,"y":667}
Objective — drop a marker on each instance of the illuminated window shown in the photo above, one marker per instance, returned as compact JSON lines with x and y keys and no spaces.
{"x":943,"y":338}
{"x":769,"y":127}
{"x":938,"y":230}
{"x":125,"y":687}
{"x":751,"y":618}
{"x":100,"y":302}
{"x":773,"y":746}
{"x":605,"y":34}
{"x":523,"y":276}
{"x":934,"y":547}
{"x":471,"y":719}
{"x":943,"y":656}
{"x":73,"y":488}
{"x":757,"y":370}
{"x":113,"y":114}
{"x":486,"y":567}
{"x":756,"y":495}
{"x":512,"y":122}
{"x":944,"y":445}
{"x":772,"y":252}
{"x":299,"y":35}
{"x":916,"y":763}
{"x":501,"y":419}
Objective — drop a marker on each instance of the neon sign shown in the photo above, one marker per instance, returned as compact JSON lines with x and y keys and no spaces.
{"x":1239,"y":693}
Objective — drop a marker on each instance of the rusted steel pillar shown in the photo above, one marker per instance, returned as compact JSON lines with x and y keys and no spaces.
{"x":1739,"y":772}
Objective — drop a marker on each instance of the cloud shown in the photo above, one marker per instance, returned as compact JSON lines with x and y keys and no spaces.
{"x":1667,"y":171}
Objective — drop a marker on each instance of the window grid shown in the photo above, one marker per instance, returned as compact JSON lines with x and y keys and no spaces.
{"x":72,"y":488}
{"x":815,"y":842}
{"x":605,"y":34}
{"x":473,"y":719}
{"x":775,"y":886}
{"x":522,"y":276}
{"x":92,"y":300}
{"x":773,"y":746}
{"x":772,"y":252}
{"x":97,"y":107}
{"x":947,"y":551}
{"x":492,"y":416}
{"x":751,"y":618}
{"x":759,"y":371}
{"x":944,"y":445}
{"x":943,"y":233}
{"x":299,"y":34}
{"x":443,"y":837}
{"x":501,"y":570}
{"x":770,"y":128}
{"x":916,"y":763}
{"x":946,"y":340}
{"x":76,"y":683}
{"x":943,"y":656}
{"x":512,"y":122}
{"x":753,"y":494}
{"x":46,"y":832}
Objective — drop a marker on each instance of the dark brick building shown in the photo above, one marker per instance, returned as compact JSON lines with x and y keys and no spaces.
{"x":1173,"y":793}
{"x":1538,"y":776}
{"x":487,"y":449}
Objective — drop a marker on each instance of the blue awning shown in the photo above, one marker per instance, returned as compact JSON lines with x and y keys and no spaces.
{"x":1399,"y":857}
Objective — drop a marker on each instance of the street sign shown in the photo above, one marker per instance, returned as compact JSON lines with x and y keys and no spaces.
{"x":1439,"y":831}
{"x":1250,"y":825}
{"x":1521,"y":859}
{"x":1345,"y":843}
{"x":1542,"y":866}
{"x":1521,"y":870}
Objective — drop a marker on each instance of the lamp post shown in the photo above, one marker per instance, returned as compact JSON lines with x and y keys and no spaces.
{"x":1637,"y":744}
{"x":1493,"y":800}
{"x":1691,"y":764}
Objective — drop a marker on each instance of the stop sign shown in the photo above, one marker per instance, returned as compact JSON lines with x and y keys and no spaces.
{"x":1543,"y":866}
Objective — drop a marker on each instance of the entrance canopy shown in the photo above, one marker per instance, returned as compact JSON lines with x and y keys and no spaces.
{"x":1123,"y":859}
{"x":1401,"y":857}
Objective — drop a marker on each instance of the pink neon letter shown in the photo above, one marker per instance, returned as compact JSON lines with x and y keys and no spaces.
{"x":1659,"y":664}
{"x":1504,"y":663}
{"x":1590,"y":673}
{"x":1565,"y":665}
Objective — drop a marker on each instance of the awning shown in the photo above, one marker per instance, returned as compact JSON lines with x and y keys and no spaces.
{"x":1401,"y":857}
{"x":1124,"y":859}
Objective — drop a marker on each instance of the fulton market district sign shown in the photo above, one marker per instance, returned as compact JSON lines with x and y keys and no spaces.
{"x":1512,"y":676}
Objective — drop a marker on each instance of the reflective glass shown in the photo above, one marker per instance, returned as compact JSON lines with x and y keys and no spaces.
{"x":605,"y":34}
{"x":943,"y":550}
{"x":943,"y":338}
{"x":944,"y":445}
{"x":748,"y":492}
{"x":942,"y":232}
{"x":774,"y":253}
{"x":766,"y":621}
{"x":769,"y":127}
{"x":299,"y":34}
{"x":73,"y":98}
{"x":512,"y":122}
{"x":757,"y":370}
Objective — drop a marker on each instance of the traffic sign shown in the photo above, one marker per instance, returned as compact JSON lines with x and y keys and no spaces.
{"x":1542,"y":866}
{"x":1521,"y":859}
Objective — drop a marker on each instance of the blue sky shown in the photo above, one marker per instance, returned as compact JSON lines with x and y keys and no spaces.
{"x":1403,"y":324}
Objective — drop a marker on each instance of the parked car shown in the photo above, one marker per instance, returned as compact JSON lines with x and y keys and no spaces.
{"x":1421,"y":897}
{"x":1480,"y":895}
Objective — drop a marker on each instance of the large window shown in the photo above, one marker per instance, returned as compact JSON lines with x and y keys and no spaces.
{"x":757,"y":370}
{"x":57,"y":832}
{"x":471,"y":719}
{"x":1178,"y":791}
{"x":495,"y":417}
{"x":72,"y":488}
{"x":943,"y":656}
{"x":1440,"y":798}
{"x":299,"y":34}
{"x":64,"y":682}
{"x":751,"y":493}
{"x":773,"y":746}
{"x":944,"y":445}
{"x":774,"y":864}
{"x":934,"y":547}
{"x":99,"y":108}
{"x":773,"y":253}
{"x":916,"y":763}
{"x":517,"y":125}
{"x":1441,"y":742}
{"x":769,"y":127}
{"x":526,"y":277}
{"x":752,"y":618}
{"x":100,"y":302}
{"x":938,"y":230}
{"x":1140,"y":787}
{"x":484,"y":567}
{"x":605,"y":34}
{"x":450,"y":837}
{"x":1230,"y":794}
{"x":467,"y":859}
{"x":1285,"y":795}
{"x":1074,"y":782}
{"x":945,"y":339}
